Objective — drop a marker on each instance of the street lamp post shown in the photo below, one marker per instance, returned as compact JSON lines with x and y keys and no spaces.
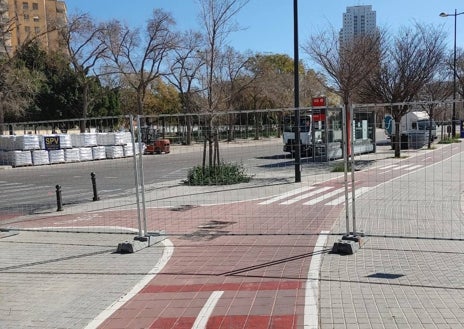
{"x":453,"y":117}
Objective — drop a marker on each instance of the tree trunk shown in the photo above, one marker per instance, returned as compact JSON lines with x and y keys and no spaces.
{"x":397,"y":138}
{"x":85,"y":107}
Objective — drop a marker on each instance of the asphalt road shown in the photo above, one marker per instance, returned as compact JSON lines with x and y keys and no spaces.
{"x":27,"y":190}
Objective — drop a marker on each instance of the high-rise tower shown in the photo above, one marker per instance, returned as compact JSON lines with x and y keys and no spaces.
{"x":357,"y":21}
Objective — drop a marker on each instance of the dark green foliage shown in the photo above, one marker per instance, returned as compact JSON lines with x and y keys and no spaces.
{"x":449,"y":140}
{"x":60,"y":95}
{"x":223,"y":174}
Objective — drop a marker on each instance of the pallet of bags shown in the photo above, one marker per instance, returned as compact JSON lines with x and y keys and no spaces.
{"x":7,"y":143}
{"x":115,"y":151}
{"x":56,"y":156}
{"x":27,"y":142}
{"x":128,"y":150}
{"x":3,"y":158}
{"x":84,"y":140}
{"x":72,"y":155}
{"x":19,"y":158}
{"x":109,"y":139}
{"x":127,"y":137}
{"x":99,"y":152}
{"x":85,"y":154}
{"x":40,"y":157}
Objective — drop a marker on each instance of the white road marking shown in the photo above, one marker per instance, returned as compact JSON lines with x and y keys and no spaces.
{"x":414,"y":167}
{"x":360,"y":191}
{"x":306,"y":195}
{"x":402,"y":167}
{"x":311,"y":313}
{"x":207,"y":310}
{"x":286,"y":195}
{"x":387,"y":167}
{"x":167,"y":253}
{"x":323,"y":197}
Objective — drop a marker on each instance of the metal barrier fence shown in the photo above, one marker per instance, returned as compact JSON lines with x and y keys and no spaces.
{"x":102,"y":179}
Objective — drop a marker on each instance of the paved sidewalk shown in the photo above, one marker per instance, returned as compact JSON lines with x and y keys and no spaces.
{"x":64,"y":280}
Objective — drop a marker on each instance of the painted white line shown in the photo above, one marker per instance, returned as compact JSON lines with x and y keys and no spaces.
{"x":402,"y":167}
{"x":360,"y":191}
{"x":311,"y":309}
{"x":167,"y":253}
{"x":325,"y":196}
{"x":414,"y":167}
{"x":387,"y":167}
{"x":205,"y":313}
{"x":306,"y":195}
{"x":286,"y":195}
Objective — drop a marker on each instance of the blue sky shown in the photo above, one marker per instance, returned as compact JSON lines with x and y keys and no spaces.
{"x":268,"y":24}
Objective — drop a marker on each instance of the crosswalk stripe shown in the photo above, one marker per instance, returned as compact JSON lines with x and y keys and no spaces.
{"x":306,"y":195}
{"x":387,"y":167}
{"x":414,"y":167}
{"x":402,"y":167}
{"x":360,"y":191}
{"x":21,"y":188}
{"x":323,"y":197}
{"x":286,"y":195}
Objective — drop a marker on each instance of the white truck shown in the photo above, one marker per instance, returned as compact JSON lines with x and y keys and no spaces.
{"x":308,"y":131}
{"x":414,"y":122}
{"x":415,"y":127}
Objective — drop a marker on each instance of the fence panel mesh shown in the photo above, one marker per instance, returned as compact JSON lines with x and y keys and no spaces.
{"x":116,"y":175}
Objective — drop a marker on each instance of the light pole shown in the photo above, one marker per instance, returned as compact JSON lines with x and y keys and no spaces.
{"x":296,"y":61}
{"x":453,"y":117}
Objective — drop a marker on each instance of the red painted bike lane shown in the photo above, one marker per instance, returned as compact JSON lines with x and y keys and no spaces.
{"x":259,"y":278}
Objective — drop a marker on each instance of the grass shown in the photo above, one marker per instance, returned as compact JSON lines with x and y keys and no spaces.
{"x":222,"y":174}
{"x":449,"y":140}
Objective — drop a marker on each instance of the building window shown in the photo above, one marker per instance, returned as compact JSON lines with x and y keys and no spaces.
{"x":25,"y":5}
{"x":27,"y":29}
{"x":36,"y":18}
{"x":37,"y":30}
{"x":35,"y":6}
{"x":26,"y":17}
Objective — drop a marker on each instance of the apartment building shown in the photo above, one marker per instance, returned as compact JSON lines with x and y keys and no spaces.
{"x":357,"y":21}
{"x":22,"y":20}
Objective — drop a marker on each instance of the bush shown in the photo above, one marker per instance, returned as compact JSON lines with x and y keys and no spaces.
{"x":449,"y":140}
{"x":223,"y":174}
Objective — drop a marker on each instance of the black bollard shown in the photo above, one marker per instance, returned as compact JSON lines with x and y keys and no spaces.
{"x":94,"y":186}
{"x":59,"y":200}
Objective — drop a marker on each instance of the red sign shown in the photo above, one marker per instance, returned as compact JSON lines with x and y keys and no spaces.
{"x":319,"y":117}
{"x":318,"y":102}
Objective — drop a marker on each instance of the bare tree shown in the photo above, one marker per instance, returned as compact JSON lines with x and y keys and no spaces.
{"x":235,"y":81}
{"x":347,"y":64}
{"x":460,"y":72}
{"x":83,"y":40}
{"x":410,"y":63}
{"x":138,"y":57}
{"x":185,"y":64}
{"x":217,"y":20}
{"x":432,"y":97}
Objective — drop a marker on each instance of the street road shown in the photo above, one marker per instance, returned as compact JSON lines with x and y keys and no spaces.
{"x":27,"y":190}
